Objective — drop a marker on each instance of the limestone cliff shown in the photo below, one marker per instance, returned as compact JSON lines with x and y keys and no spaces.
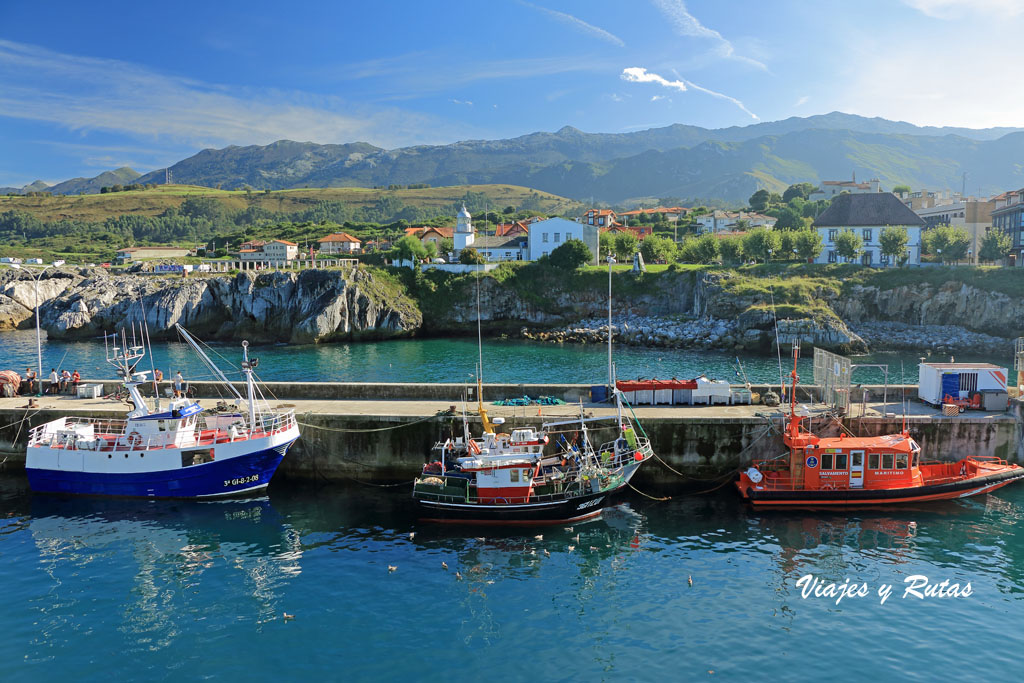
{"x":306,"y":307}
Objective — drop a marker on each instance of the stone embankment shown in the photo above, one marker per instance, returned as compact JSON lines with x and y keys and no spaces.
{"x":883,"y":335}
{"x":305,"y":307}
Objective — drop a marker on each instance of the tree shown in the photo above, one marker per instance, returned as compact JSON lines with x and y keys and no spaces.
{"x":762,"y":244}
{"x":848,"y":244}
{"x":948,"y":242}
{"x":687,"y":251}
{"x":787,"y":245}
{"x":447,"y":245}
{"x":409,"y":248}
{"x":626,"y":244}
{"x":808,"y":244}
{"x":789,"y":219}
{"x":901,"y":188}
{"x":802,"y":190}
{"x":471,"y":257}
{"x":731,"y":249}
{"x":570,"y":255}
{"x":707,"y":249}
{"x":893,"y":241}
{"x":606,"y":243}
{"x":995,"y":245}
{"x":759,"y":200}
{"x":657,"y":248}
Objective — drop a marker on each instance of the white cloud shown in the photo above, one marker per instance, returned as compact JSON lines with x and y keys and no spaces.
{"x":638,"y":74}
{"x":655,"y":98}
{"x":685,"y":24}
{"x":578,"y":24}
{"x":953,"y":9}
{"x":617,"y":97}
{"x":465,"y":102}
{"x":802,"y":101}
{"x":88,"y":93}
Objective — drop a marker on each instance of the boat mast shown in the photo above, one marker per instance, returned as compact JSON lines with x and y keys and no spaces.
{"x":794,"y":421}
{"x":611,"y":379}
{"x":250,"y":393}
{"x":480,"y":361}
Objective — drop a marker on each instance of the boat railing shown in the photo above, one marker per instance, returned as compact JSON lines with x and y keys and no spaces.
{"x":574,"y":488}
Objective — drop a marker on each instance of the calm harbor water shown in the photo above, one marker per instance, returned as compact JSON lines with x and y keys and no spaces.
{"x":445,"y":360}
{"x":158,"y":590}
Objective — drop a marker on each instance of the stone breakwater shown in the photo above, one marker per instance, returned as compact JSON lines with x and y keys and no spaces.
{"x":895,"y":336}
{"x":699,"y":333}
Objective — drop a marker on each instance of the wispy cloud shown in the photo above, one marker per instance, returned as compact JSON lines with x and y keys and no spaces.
{"x":638,"y":74}
{"x":578,"y":24}
{"x":953,"y":9}
{"x":88,"y":93}
{"x":802,"y":101}
{"x":465,"y":102}
{"x":685,"y":24}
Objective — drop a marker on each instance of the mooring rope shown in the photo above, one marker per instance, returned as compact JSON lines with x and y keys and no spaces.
{"x":365,"y":431}
{"x":646,"y":495}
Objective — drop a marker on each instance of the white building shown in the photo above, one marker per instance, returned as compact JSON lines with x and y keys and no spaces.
{"x":546,"y":236}
{"x":339,"y":243}
{"x":971,"y":214}
{"x":833,"y":188}
{"x":729,"y":221}
{"x":464,"y":234}
{"x":503,"y":247}
{"x":868,"y":215}
{"x":275,"y":251}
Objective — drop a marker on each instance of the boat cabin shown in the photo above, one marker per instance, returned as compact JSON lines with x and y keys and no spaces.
{"x":879,"y":462}
{"x":510,"y":481}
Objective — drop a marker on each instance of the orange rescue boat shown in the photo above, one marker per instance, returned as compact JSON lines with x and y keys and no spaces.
{"x":851,"y":471}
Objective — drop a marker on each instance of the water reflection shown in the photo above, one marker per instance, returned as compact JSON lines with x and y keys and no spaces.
{"x":150,"y":561}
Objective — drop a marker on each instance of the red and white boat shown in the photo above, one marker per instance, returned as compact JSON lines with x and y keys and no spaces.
{"x":848,"y":471}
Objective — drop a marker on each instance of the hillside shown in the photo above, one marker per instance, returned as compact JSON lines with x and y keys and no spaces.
{"x":98,"y":207}
{"x":688,"y":162}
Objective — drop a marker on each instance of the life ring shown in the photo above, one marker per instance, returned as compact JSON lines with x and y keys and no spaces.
{"x":134,"y":439}
{"x":474,"y":447}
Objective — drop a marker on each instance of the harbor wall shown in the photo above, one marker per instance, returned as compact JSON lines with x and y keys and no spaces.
{"x":388,"y":448}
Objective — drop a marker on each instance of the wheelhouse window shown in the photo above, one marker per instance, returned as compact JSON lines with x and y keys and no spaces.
{"x":826,"y":461}
{"x":841,"y":461}
{"x":873,"y":461}
{"x":887,"y":460}
{"x":513,"y":475}
{"x":901,"y":461}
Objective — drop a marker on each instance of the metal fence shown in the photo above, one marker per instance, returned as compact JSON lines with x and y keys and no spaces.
{"x":832,"y":376}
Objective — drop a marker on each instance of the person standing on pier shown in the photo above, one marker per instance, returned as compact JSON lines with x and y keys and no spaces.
{"x":178,"y":383}
{"x":54,"y":382}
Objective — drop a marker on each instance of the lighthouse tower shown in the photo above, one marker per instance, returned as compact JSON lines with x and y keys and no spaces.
{"x":463,"y":236}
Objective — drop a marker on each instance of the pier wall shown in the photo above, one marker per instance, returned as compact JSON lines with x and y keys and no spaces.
{"x":339,"y":445}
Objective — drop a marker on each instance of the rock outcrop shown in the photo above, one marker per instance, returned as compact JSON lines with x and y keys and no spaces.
{"x":297,"y":307}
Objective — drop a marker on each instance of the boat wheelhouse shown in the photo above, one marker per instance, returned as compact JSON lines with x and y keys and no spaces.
{"x":850,"y":471}
{"x":180,"y":451}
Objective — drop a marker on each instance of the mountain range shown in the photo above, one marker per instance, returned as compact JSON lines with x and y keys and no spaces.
{"x":679,"y":161}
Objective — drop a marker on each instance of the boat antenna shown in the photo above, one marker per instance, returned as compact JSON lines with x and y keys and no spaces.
{"x":794,"y":421}
{"x":778,"y":346}
{"x":484,"y":419}
{"x":903,"y":397}
{"x":152,"y":362}
{"x":611,"y":372}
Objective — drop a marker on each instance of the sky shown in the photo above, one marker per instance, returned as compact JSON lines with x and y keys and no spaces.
{"x":88,"y":87}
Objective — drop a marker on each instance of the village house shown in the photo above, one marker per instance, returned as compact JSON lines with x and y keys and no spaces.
{"x":833,"y":188}
{"x":671,"y":213}
{"x":972,"y":214}
{"x":273,"y":251}
{"x":642,"y":232}
{"x":502,"y":248}
{"x":546,"y":236}
{"x":339,"y":243}
{"x":730,"y":221}
{"x":868,"y":215}
{"x":512,"y":229}
{"x":602,"y":218}
{"x":1008,"y":216}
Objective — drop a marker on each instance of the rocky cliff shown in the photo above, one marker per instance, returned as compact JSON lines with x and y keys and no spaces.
{"x":306,"y":307}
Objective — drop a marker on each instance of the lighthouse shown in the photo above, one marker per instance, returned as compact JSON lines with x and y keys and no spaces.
{"x":463,"y":236}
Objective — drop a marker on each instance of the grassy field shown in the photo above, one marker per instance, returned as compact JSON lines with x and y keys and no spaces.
{"x":97,"y":207}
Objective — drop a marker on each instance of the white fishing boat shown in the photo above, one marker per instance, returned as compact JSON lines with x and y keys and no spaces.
{"x":174,"y":450}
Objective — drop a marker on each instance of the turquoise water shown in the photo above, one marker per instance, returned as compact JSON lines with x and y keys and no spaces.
{"x":444,"y":360}
{"x":156,"y":590}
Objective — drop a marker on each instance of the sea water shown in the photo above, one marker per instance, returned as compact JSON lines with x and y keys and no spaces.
{"x":451,"y":360}
{"x":696,"y":587}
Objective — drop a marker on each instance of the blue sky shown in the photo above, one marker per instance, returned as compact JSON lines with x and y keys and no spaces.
{"x":87,"y":87}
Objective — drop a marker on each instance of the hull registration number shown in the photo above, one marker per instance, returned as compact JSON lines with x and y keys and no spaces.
{"x":242,"y":480}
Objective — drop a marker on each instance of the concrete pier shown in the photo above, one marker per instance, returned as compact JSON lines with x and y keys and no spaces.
{"x":379,"y":439}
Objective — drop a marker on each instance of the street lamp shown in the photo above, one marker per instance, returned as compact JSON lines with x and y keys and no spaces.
{"x":39,"y":343}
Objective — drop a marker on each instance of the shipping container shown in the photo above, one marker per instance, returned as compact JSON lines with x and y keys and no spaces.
{"x":959,"y":381}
